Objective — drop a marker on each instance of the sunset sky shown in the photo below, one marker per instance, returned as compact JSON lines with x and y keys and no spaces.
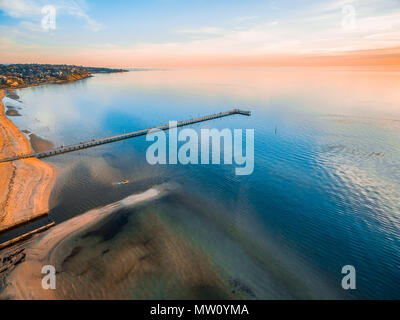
{"x":201,"y":32}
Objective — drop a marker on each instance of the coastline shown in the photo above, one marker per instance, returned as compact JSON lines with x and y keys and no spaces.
{"x":26,"y":184}
{"x":92,"y":265}
{"x":47,"y":248}
{"x":73,"y":79}
{"x":89,"y":73}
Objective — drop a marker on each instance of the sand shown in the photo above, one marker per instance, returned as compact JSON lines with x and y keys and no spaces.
{"x":25,"y":184}
{"x":39,"y":144}
{"x":107,"y":253}
{"x":12,"y":112}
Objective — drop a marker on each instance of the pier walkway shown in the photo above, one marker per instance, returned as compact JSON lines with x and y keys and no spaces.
{"x":97,"y":142}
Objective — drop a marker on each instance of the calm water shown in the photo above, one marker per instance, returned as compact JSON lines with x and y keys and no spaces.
{"x":324,"y":193}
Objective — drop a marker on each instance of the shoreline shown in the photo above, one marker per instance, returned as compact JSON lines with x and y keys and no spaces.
{"x":70,"y":79}
{"x":143,"y":249}
{"x":26,"y":184}
{"x":46,"y":248}
{"x":45,"y":83}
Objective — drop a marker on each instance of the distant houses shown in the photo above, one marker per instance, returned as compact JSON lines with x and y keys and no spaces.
{"x":23,"y":75}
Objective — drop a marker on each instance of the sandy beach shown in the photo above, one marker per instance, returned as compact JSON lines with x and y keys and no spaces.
{"x":25,"y":184}
{"x":98,"y":255}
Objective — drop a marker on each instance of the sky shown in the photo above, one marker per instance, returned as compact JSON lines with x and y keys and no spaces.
{"x":161,"y":33}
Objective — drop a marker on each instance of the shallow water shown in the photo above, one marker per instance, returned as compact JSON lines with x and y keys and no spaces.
{"x":324,"y":193}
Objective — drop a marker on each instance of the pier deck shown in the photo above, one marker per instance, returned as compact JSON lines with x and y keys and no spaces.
{"x":97,"y":142}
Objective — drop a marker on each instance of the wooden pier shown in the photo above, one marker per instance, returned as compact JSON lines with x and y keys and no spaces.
{"x":134,"y":134}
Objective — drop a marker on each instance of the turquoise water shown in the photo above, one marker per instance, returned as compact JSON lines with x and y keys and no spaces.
{"x":324,"y":192}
